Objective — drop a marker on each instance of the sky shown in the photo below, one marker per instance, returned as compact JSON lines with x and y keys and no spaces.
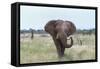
{"x":36,"y":17}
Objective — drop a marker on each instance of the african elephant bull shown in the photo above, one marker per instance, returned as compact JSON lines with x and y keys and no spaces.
{"x":60,"y":30}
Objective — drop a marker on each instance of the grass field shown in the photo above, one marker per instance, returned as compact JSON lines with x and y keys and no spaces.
{"x":42,"y":49}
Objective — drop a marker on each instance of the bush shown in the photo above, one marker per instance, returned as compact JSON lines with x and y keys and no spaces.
{"x":44,"y":35}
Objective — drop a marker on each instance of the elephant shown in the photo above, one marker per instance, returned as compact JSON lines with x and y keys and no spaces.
{"x":60,"y":30}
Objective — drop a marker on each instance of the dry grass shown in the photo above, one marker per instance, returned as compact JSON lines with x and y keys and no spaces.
{"x":42,"y":49}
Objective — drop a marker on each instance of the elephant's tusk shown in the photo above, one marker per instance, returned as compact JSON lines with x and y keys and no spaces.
{"x":68,"y":38}
{"x":57,"y":36}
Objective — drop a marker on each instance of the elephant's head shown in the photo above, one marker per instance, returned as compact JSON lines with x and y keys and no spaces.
{"x":60,"y":30}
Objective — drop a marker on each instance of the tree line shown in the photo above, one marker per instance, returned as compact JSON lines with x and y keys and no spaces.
{"x":41,"y":31}
{"x":85,"y":31}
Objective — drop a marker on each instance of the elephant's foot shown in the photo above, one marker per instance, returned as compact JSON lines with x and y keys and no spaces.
{"x":61,"y":55}
{"x":61,"y":58}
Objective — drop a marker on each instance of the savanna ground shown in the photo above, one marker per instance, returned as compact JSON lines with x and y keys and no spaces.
{"x":42,"y":49}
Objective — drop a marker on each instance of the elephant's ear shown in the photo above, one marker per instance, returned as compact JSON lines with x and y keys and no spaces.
{"x":72,"y":27}
{"x":50,"y":27}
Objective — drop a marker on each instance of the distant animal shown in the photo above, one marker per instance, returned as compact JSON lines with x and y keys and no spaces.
{"x":60,"y":30}
{"x":32,"y":33}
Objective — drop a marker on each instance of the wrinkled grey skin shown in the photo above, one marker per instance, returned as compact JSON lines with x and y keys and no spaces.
{"x":60,"y":30}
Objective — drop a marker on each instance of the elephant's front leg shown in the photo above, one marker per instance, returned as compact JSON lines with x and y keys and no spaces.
{"x":60,"y":49}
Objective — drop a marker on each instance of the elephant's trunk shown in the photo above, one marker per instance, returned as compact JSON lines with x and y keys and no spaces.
{"x":63,"y":38}
{"x":70,"y":45}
